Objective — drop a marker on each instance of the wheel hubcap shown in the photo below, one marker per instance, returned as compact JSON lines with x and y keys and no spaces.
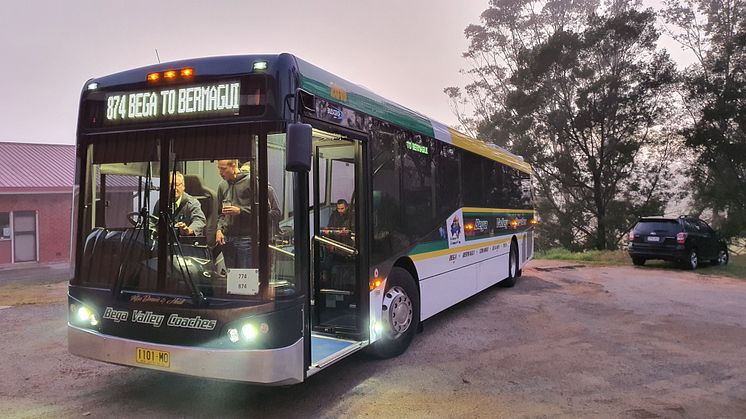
{"x":693,"y":259}
{"x":722,"y":257}
{"x":397,"y":308}
{"x":513,"y":265}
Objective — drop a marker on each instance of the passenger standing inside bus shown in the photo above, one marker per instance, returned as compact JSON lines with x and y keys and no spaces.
{"x":235,"y":218}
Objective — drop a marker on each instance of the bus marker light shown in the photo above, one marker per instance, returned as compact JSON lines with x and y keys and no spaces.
{"x":187,"y":72}
{"x":259,"y":65}
{"x":92,"y":86}
{"x":534,"y":221}
{"x":154,"y":76}
{"x":514,"y":223}
{"x":170,"y":74}
{"x":375,"y":283}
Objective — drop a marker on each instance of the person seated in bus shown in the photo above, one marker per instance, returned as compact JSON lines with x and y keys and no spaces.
{"x":186,"y":212}
{"x":341,"y":217}
{"x":234,"y":229}
{"x":339,"y":228}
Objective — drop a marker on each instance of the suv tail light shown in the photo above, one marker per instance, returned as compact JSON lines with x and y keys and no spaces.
{"x":681,"y":238}
{"x":631,"y":236}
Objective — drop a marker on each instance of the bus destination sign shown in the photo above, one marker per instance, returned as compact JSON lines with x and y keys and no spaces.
{"x":177,"y":103}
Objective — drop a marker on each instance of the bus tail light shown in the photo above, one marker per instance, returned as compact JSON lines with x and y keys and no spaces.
{"x":681,"y":238}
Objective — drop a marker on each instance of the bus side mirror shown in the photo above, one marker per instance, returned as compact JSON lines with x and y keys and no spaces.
{"x":298,"y":150}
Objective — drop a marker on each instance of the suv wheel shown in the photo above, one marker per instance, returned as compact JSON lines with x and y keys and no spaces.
{"x":722,"y":258}
{"x":638,"y":261}
{"x":692,"y":261}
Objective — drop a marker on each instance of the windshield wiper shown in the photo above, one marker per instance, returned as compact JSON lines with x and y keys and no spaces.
{"x":175,"y":245}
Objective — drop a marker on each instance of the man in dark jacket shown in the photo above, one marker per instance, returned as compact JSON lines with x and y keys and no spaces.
{"x":341,"y":218}
{"x":234,"y":228}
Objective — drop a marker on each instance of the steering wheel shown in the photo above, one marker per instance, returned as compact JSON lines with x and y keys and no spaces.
{"x":134,"y":217}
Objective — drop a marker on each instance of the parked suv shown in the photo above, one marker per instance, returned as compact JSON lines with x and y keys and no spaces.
{"x":685,"y":240}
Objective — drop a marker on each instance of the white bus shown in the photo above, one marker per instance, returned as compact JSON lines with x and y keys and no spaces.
{"x":246,"y":273}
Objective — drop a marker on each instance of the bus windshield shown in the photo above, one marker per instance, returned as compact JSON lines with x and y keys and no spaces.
{"x":193,"y":233}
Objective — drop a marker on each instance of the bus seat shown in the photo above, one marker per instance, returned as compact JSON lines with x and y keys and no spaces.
{"x":207,"y":200}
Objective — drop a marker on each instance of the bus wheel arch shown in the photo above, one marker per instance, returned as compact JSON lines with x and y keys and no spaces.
{"x":400,"y":312}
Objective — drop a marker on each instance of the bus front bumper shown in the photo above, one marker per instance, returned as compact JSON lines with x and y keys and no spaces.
{"x":261,"y":366}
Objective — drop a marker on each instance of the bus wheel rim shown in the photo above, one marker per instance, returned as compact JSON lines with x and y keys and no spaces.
{"x":513,"y":265}
{"x":399,"y":311}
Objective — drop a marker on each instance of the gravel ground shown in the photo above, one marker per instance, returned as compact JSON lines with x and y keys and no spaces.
{"x":565,"y":342}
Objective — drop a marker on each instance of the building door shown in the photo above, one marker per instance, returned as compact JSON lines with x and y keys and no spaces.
{"x":24,"y":236}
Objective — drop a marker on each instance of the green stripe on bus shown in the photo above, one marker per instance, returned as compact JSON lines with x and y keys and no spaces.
{"x":358,"y":101}
{"x":429,"y":247}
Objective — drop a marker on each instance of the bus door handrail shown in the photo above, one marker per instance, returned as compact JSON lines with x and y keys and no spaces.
{"x":283,"y":251}
{"x":341,"y":246}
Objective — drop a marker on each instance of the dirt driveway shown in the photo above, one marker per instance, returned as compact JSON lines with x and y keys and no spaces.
{"x":565,"y":342}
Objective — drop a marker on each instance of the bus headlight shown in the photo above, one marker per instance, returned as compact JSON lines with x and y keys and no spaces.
{"x":83,"y":315}
{"x":233,"y":335}
{"x":249,"y":332}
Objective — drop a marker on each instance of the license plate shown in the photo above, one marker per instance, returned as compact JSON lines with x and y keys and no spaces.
{"x":654,"y":239}
{"x":153,"y":357}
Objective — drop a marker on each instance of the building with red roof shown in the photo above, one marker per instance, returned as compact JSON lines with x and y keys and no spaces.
{"x":36,"y":200}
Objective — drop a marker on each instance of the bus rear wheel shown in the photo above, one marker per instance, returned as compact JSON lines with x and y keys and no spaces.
{"x":513,"y":271}
{"x":400,"y":315}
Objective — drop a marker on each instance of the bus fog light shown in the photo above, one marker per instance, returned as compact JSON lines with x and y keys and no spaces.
{"x":248,"y":331}
{"x":233,"y":335}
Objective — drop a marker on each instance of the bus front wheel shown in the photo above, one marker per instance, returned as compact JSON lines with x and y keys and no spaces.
{"x":513,"y":270}
{"x":400,"y":315}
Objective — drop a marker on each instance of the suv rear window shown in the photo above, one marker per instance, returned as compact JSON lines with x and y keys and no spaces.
{"x":659,"y":226}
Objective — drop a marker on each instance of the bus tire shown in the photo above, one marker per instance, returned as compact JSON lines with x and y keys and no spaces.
{"x":400,"y":315}
{"x":513,"y":270}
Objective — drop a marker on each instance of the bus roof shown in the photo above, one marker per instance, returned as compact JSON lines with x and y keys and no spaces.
{"x":326,"y":85}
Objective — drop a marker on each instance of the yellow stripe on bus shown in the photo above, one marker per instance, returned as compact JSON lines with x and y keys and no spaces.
{"x":437,"y":253}
{"x":497,"y":210}
{"x":475,"y":146}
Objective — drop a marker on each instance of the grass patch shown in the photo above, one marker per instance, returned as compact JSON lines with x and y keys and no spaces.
{"x":601,"y":257}
{"x":736,"y":267}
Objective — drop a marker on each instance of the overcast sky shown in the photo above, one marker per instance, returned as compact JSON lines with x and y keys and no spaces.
{"x":404,"y":50}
